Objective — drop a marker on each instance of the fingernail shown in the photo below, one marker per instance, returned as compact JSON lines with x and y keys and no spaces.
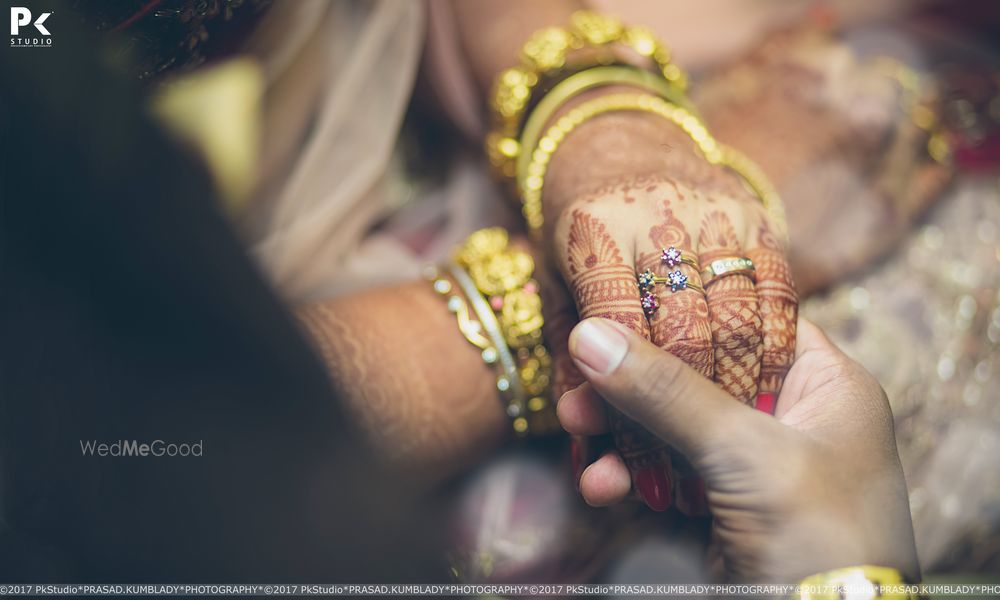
{"x":654,"y":487}
{"x":598,"y":346}
{"x":766,"y":402}
{"x":576,"y":456}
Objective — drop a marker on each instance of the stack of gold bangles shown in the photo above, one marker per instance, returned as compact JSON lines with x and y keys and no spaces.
{"x":545,"y":55}
{"x":519,"y":147}
{"x":489,"y":287}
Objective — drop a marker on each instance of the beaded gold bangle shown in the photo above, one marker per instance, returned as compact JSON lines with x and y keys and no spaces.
{"x":575,"y":85}
{"x":546,"y":52}
{"x":865,"y":581}
{"x":501,"y":314}
{"x":713,"y":151}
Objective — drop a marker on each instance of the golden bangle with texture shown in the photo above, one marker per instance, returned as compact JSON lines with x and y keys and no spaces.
{"x":714,"y":152}
{"x":545,"y":53}
{"x":499,"y":311}
{"x":575,"y":85}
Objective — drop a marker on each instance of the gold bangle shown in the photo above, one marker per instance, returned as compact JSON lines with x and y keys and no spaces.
{"x":714,"y":152}
{"x":546,"y":52}
{"x":497,"y":284}
{"x":864,"y":581}
{"x":575,"y":85}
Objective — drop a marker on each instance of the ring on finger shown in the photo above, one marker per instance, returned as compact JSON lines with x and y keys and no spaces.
{"x":647,"y":282}
{"x":730,"y":265}
{"x":673,"y":257}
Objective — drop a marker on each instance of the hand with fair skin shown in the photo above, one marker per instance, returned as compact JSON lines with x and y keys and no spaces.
{"x":816,"y":487}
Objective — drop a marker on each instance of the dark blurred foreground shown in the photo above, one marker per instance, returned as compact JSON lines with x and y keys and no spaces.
{"x":130,"y":312}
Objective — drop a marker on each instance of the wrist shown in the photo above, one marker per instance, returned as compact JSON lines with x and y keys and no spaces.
{"x":624,"y":147}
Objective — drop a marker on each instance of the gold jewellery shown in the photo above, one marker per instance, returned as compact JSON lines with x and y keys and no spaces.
{"x":490,"y":289}
{"x":520,"y":151}
{"x":733,"y":265}
{"x":648,"y":280}
{"x":714,"y":152}
{"x":575,"y":85}
{"x":545,"y":54}
{"x":672,"y":258}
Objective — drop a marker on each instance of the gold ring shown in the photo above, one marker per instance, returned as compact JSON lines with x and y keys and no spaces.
{"x":647,"y":280}
{"x":672,"y":257}
{"x":732,"y":265}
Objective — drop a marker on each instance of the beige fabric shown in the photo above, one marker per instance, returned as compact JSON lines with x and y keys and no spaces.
{"x":340,"y":75}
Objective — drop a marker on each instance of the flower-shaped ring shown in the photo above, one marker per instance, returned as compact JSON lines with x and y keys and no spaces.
{"x":672,"y":257}
{"x":647,"y":282}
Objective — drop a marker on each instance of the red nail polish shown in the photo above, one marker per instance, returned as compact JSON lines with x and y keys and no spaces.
{"x":766,"y":402}
{"x":654,"y":487}
{"x":576,"y":457}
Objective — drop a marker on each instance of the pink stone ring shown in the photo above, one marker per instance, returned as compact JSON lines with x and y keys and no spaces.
{"x":672,"y":257}
{"x":647,"y":281}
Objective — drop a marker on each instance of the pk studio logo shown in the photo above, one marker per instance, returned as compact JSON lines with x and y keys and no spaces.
{"x":20,"y":16}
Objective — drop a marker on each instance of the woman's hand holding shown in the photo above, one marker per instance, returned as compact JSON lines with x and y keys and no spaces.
{"x":818,"y":487}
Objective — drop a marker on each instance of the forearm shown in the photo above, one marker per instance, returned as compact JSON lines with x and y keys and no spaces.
{"x":418,"y":389}
{"x":492,"y":33}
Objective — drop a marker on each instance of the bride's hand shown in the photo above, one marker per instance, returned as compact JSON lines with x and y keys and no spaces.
{"x":604,"y":230}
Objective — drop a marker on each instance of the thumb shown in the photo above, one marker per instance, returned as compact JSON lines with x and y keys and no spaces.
{"x":657,"y":389}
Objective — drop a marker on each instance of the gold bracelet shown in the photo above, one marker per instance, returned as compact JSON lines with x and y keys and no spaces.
{"x":575,"y":85}
{"x":501,"y":314}
{"x":713,"y":151}
{"x":865,"y":581}
{"x":545,"y":53}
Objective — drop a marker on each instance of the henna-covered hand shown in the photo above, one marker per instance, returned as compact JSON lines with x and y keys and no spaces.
{"x":740,"y":332}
